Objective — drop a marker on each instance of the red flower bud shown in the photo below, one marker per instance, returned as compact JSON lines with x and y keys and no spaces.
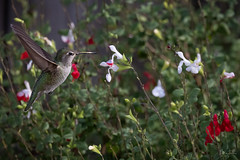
{"x":24,"y":55}
{"x":90,"y":41}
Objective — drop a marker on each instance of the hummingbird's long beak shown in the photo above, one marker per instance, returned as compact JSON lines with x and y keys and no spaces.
{"x":85,"y":53}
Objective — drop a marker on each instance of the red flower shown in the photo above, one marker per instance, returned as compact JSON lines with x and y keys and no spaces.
{"x":24,"y":94}
{"x":75,"y":74}
{"x":24,"y":55}
{"x":168,"y":46}
{"x":150,"y":81}
{"x":90,"y":41}
{"x":225,"y":126}
{"x":74,"y":66}
{"x":226,"y":123}
{"x":68,"y":140}
{"x":210,"y":130}
{"x":22,"y":98}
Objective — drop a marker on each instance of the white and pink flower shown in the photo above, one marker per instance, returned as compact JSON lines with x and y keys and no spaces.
{"x":227,"y":75}
{"x":110,"y":63}
{"x":24,"y":94}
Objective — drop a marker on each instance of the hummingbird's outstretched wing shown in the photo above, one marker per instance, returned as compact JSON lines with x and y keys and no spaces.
{"x":39,"y":56}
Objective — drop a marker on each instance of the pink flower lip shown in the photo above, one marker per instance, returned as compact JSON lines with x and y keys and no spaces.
{"x":109,"y":63}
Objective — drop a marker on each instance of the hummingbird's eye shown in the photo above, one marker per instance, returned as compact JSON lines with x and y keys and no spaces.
{"x":70,"y":53}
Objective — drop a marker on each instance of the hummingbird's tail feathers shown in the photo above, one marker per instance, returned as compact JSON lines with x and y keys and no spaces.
{"x":39,"y":56}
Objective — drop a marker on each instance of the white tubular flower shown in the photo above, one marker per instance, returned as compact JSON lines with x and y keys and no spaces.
{"x":158,"y":91}
{"x":192,"y":67}
{"x":110,"y":63}
{"x":69,"y":38}
{"x":112,"y":66}
{"x":186,"y":62}
{"x":117,"y":54}
{"x":228,"y":75}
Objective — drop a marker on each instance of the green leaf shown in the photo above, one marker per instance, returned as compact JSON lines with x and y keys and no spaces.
{"x":45,"y":126}
{"x":130,"y":116}
{"x":122,"y":67}
{"x":193,"y":95}
{"x":63,"y":32}
{"x":81,"y":115}
{"x":178,"y":92}
{"x":68,"y":136}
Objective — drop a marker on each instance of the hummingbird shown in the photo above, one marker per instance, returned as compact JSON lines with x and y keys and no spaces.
{"x":54,"y":70}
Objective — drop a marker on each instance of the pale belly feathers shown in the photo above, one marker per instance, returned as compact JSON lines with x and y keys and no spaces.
{"x":57,"y":78}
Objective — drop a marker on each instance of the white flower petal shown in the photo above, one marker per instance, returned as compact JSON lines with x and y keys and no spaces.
{"x":20,"y":94}
{"x":186,"y":62}
{"x":27,"y":93}
{"x":65,"y":39}
{"x":198,"y":60}
{"x":70,"y":36}
{"x":108,"y":77}
{"x":229,"y":75}
{"x":91,"y":147}
{"x":158,"y":91}
{"x":114,"y":67}
{"x":180,"y":67}
{"x":72,"y":25}
{"x":27,"y":85}
{"x":29,"y":65}
{"x":117,"y":54}
{"x":104,"y":64}
{"x":113,"y":48}
{"x":193,"y":68}
{"x":180,"y":54}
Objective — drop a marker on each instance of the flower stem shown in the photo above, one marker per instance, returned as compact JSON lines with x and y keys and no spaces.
{"x":230,"y":106}
{"x":154,"y":108}
{"x":182,"y":117}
